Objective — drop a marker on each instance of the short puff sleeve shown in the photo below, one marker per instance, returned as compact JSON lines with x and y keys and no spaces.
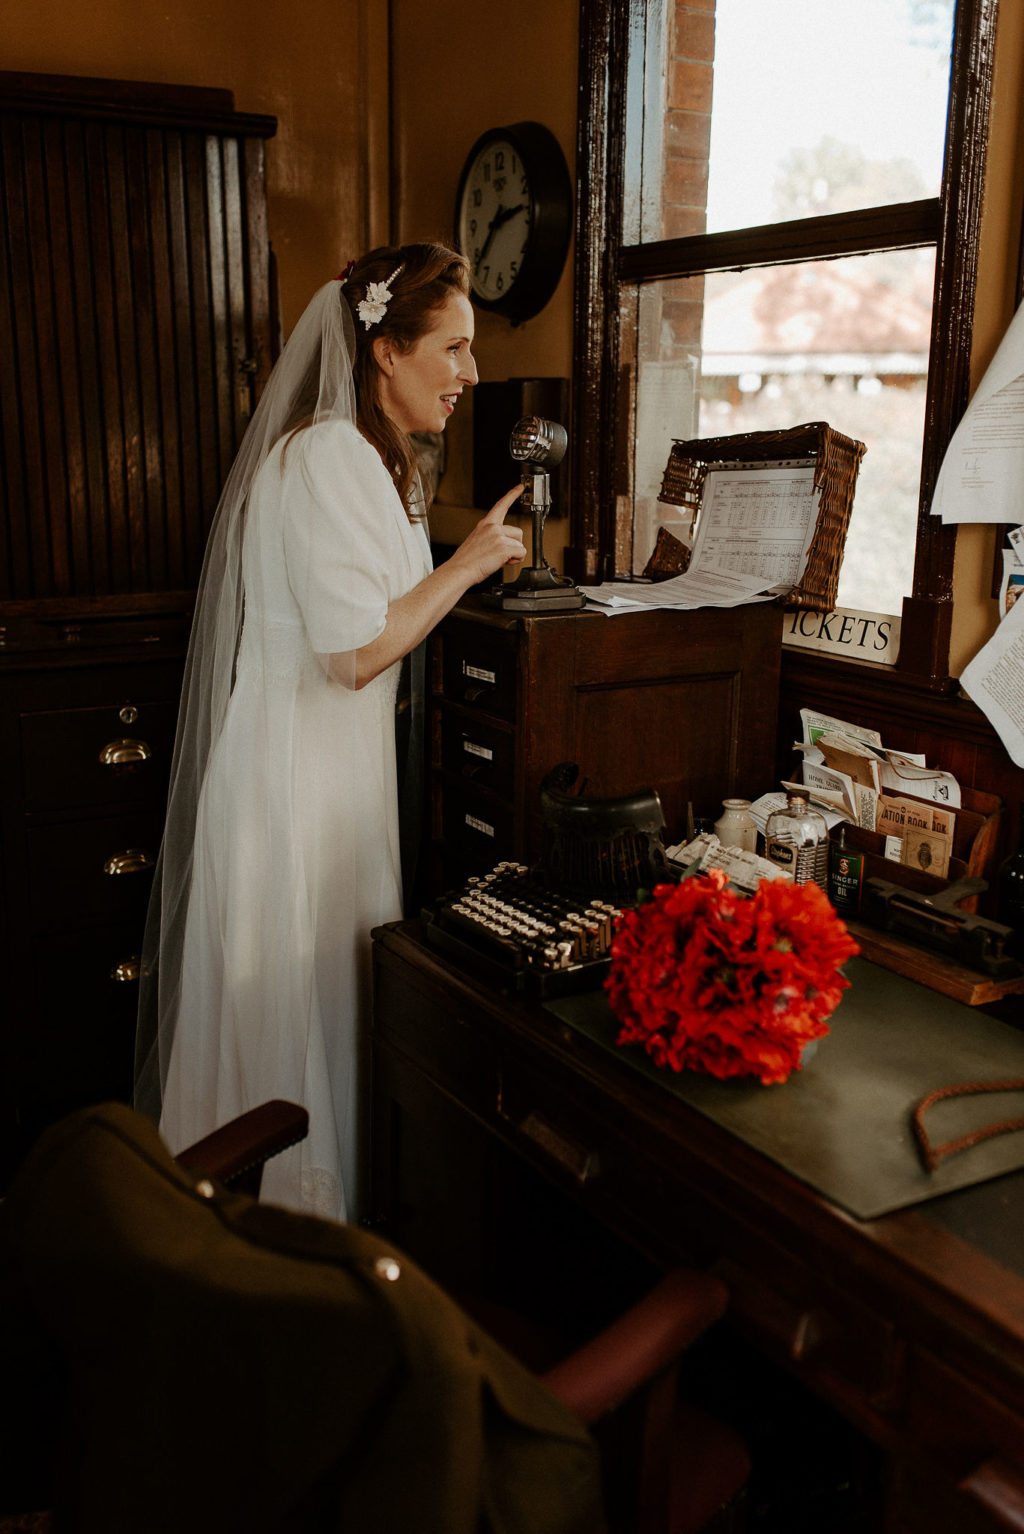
{"x":341,"y":530}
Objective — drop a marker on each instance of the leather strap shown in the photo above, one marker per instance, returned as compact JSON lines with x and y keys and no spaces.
{"x":931,"y":1154}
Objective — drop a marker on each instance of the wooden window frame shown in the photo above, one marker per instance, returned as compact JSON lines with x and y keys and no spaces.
{"x":610,"y":36}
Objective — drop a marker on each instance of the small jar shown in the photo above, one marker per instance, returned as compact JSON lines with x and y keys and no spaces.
{"x":736,"y":827}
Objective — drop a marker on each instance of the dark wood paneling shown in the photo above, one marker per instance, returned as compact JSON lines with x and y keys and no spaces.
{"x":135,"y":322}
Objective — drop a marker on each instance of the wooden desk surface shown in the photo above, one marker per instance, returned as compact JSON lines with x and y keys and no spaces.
{"x":912,"y":1324}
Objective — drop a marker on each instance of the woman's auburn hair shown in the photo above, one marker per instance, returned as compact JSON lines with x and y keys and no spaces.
{"x":430,"y":275}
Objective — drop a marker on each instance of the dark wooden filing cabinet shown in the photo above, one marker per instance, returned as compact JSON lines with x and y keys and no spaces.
{"x":86,"y":750}
{"x":685,"y":703}
{"x":136,"y":331}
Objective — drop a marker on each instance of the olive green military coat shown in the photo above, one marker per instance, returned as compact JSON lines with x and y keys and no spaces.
{"x":237,"y":1368}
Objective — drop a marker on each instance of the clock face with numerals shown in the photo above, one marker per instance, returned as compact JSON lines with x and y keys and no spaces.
{"x":513,"y":218}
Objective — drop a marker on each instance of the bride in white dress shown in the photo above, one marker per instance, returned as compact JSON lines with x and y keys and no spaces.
{"x":281,"y":847}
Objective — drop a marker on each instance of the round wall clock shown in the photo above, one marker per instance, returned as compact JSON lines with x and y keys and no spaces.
{"x":513,"y":218}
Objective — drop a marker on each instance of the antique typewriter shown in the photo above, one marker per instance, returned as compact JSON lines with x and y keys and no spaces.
{"x":547,"y":930}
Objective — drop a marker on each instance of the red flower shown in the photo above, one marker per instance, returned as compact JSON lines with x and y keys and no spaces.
{"x":707,"y":979}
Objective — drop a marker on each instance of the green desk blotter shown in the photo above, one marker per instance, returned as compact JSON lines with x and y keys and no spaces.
{"x":842,"y":1124}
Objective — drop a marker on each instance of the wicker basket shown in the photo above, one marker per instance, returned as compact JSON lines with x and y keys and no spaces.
{"x":836,"y":459}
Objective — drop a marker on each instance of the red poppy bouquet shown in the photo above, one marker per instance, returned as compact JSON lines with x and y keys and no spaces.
{"x":705,"y":978}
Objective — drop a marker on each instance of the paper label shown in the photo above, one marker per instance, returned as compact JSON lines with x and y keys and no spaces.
{"x":897,"y":816}
{"x":783,"y":854}
{"x":846,"y":878}
{"x":848,"y":631}
{"x":479,"y":825}
{"x":927,"y":851}
{"x":474,"y":750}
{"x":478,"y":673}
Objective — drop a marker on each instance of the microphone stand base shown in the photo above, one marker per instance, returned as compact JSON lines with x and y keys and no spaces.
{"x":563,"y":599}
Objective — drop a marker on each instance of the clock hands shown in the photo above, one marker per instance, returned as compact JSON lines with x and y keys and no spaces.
{"x":500,"y":218}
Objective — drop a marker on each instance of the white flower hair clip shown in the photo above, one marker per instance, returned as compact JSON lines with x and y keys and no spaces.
{"x":372,"y":309}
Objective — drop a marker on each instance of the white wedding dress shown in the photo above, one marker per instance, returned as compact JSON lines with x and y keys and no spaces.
{"x":296,"y":850}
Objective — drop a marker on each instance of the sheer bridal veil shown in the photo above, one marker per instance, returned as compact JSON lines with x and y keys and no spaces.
{"x":310,"y":383}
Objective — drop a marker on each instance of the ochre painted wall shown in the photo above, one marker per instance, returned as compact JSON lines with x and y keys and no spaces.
{"x":320,"y":68}
{"x":974,"y":609}
{"x":457,"y":70}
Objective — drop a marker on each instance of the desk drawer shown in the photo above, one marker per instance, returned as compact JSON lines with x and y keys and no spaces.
{"x":929,"y":1497}
{"x":476,"y":750}
{"x":86,"y":873}
{"x":475,"y":824}
{"x":961,"y":1424}
{"x":826,"y":1336}
{"x":585,"y":1152}
{"x":446,"y":1047}
{"x":97,"y":756}
{"x":478,"y":669}
{"x":76,"y":1041}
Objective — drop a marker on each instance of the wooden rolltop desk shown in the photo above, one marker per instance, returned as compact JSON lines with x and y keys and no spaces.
{"x":136,"y":330}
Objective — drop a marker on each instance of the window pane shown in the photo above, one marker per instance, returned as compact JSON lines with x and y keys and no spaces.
{"x":759,"y":111}
{"x":843,"y":341}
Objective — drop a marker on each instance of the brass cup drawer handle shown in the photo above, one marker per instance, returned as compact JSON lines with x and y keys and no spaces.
{"x":124,"y":753}
{"x":132,"y":861}
{"x":128,"y":969}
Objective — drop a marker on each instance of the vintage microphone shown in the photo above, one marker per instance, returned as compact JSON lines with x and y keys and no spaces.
{"x":538,"y":446}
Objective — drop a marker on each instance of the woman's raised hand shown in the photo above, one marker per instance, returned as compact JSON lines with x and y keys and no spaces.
{"x":491,"y":544}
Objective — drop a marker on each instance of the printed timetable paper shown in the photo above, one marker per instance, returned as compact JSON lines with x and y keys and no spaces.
{"x":757,"y":521}
{"x":753,"y":532}
{"x":708,"y":589}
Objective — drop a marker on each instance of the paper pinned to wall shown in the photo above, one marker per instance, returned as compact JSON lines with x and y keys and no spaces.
{"x":982,"y":473}
{"x":1011,"y":588}
{"x":995,"y":680}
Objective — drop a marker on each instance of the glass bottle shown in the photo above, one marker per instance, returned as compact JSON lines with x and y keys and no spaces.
{"x":1010,"y":893}
{"x":735,"y":827}
{"x":796,"y":838}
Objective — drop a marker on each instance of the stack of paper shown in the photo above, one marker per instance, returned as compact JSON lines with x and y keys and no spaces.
{"x":847,"y":771}
{"x":743,"y":869}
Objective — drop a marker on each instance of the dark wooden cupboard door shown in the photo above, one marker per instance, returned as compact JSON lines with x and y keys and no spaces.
{"x":135,"y":327}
